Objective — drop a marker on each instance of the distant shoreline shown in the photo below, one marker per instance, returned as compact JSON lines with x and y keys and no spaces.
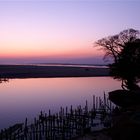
{"x":35,"y":71}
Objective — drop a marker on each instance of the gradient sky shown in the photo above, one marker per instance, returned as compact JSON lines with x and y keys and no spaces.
{"x":61,"y":30}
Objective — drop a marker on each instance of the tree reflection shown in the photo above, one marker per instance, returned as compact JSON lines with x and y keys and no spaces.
{"x":4,"y":80}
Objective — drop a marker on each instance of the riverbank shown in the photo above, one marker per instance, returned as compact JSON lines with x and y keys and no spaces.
{"x":96,"y":135}
{"x":34,"y":71}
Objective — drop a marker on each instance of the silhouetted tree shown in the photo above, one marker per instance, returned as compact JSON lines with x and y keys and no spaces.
{"x":124,"y":49}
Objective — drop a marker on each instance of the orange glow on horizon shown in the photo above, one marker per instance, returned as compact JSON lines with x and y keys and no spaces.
{"x":50,"y":53}
{"x":14,"y":50}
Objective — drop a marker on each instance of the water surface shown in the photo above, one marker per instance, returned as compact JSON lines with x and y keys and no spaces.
{"x":21,"y":98}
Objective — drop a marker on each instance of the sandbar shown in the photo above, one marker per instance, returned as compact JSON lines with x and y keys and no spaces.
{"x":34,"y":71}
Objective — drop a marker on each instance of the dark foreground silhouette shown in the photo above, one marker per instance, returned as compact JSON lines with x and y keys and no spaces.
{"x":127,"y":119}
{"x":101,"y":121}
{"x":67,"y":124}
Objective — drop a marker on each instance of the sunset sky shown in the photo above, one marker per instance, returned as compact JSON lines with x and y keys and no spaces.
{"x":61,"y":31}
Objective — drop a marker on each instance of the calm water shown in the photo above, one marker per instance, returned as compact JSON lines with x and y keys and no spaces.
{"x":21,"y":98}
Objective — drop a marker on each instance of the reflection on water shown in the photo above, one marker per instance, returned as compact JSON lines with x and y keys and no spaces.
{"x":4,"y":80}
{"x":21,"y":98}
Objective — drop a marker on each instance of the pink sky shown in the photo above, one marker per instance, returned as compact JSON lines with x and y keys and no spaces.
{"x":46,"y":31}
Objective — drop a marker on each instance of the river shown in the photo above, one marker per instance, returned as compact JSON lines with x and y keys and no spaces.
{"x":21,"y":98}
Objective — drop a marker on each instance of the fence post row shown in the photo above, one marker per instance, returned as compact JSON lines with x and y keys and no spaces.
{"x":64,"y":125}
